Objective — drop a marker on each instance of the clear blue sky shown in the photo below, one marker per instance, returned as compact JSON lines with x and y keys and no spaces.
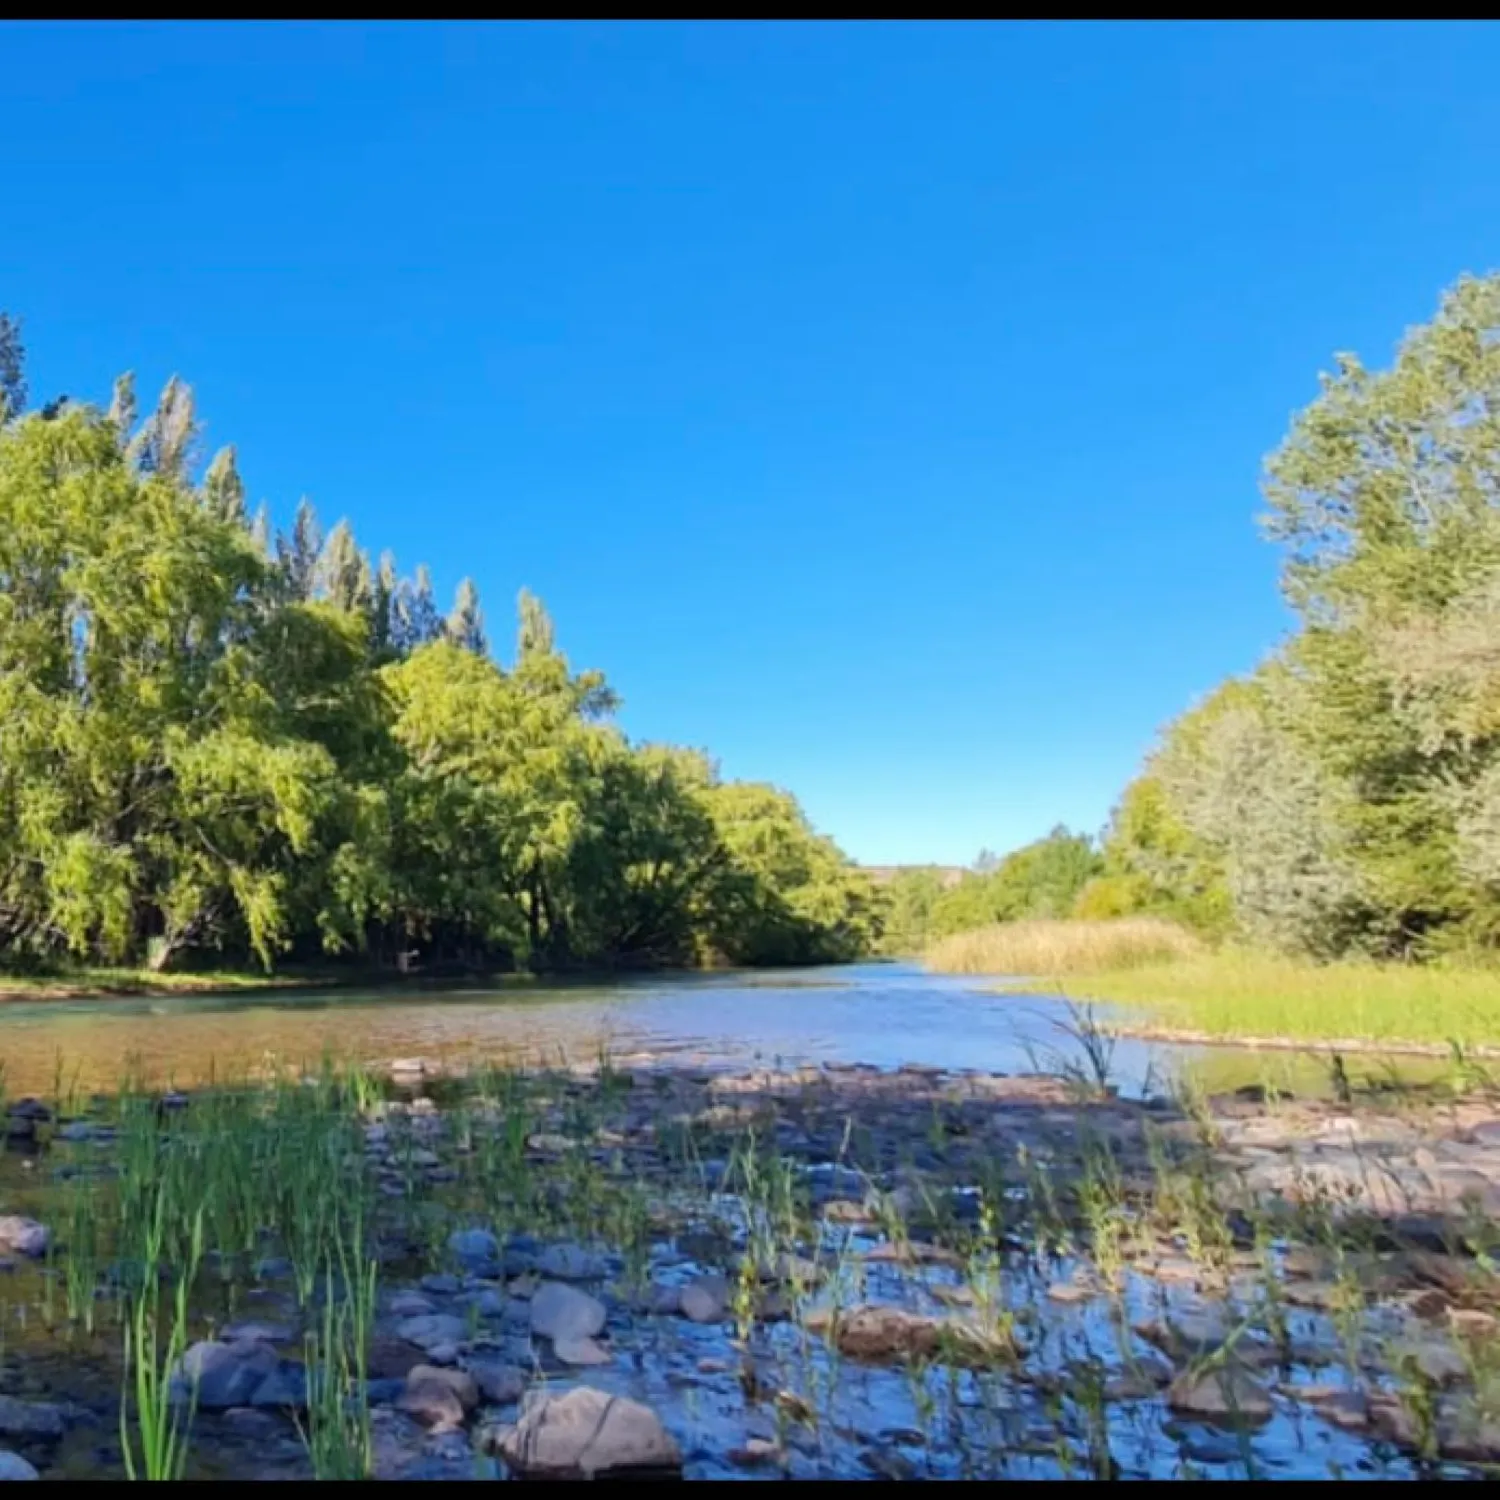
{"x":880,"y":406}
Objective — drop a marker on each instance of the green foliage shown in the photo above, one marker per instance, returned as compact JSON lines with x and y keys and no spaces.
{"x":1044,"y":879}
{"x":910,"y":897}
{"x":213,"y":741}
{"x":1343,"y":800}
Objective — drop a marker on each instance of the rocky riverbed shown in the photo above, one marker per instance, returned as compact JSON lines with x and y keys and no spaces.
{"x":835,"y":1272}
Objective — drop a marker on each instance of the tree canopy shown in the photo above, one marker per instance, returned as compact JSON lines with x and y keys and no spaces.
{"x":216,"y":740}
{"x":1345,"y":798}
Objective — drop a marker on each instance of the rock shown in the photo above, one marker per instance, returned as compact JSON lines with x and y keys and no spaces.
{"x":587,"y":1432}
{"x":23,"y":1236}
{"x":432,"y":1404}
{"x":1069,"y":1292}
{"x":662,"y":1301}
{"x":262,"y":1333}
{"x":873,"y":1332}
{"x":581,"y":1352}
{"x":13,"y":1466}
{"x":30,"y":1109}
{"x":411,"y":1305}
{"x":563,"y":1312}
{"x":429,"y":1329}
{"x":443,"y":1354}
{"x":754,"y":1452}
{"x":569,"y":1263}
{"x":1437,"y":1360}
{"x":225,"y":1374}
{"x":442,"y":1284}
{"x":474,"y":1246}
{"x":390,"y":1359}
{"x":285,"y":1389}
{"x":29,"y":1419}
{"x":705,"y":1299}
{"x":438,"y":1398}
{"x":549,"y":1145}
{"x":1220,"y":1395}
{"x":501,"y":1385}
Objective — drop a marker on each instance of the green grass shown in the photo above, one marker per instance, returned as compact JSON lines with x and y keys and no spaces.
{"x":86,"y":980}
{"x":1247,"y":995}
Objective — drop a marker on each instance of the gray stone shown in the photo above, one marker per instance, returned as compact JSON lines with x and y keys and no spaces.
{"x":263,"y":1333}
{"x":411,"y":1305}
{"x":563,"y":1312}
{"x":225,"y":1374}
{"x":662,"y":1301}
{"x":1437,"y":1359}
{"x":430,"y":1329}
{"x":581,"y":1352}
{"x":13,"y":1466}
{"x":29,"y":1419}
{"x":705,"y":1299}
{"x":474,"y":1246}
{"x":23,"y":1236}
{"x":460,"y":1382}
{"x":441,"y":1284}
{"x":570,"y":1263}
{"x":499,"y":1384}
{"x":587,"y":1432}
{"x":490,"y":1303}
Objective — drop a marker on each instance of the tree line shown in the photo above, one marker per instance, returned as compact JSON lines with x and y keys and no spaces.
{"x":224,"y":743}
{"x":1342,"y":799}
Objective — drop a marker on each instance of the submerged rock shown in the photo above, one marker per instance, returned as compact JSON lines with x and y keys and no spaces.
{"x":29,"y":1419}
{"x":587,"y":1432}
{"x":225,"y":1374}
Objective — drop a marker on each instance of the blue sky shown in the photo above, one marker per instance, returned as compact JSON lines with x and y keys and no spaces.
{"x":880,"y":406}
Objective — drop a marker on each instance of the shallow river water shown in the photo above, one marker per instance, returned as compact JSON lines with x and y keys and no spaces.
{"x":881,"y":1014}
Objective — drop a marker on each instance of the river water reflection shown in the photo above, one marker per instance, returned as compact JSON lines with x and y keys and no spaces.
{"x":887,"y":1015}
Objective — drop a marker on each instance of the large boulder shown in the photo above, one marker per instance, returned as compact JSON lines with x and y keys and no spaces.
{"x":585,"y":1433}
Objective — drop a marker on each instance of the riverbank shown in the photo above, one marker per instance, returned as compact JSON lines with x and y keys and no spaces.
{"x":1252,"y":999}
{"x":822,"y":1273}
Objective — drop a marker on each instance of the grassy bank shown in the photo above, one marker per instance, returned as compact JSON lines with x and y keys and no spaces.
{"x":1054,"y":948}
{"x":1240,"y":995}
{"x":81,"y":982}
{"x":1178,"y":986}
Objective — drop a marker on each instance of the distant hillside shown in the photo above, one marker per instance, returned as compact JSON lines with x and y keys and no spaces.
{"x":884,"y":874}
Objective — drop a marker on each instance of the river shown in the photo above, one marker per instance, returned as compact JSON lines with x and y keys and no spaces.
{"x":883,"y":1014}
